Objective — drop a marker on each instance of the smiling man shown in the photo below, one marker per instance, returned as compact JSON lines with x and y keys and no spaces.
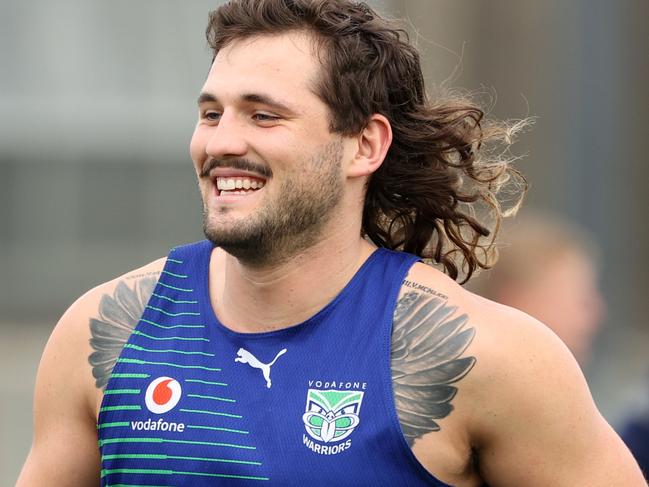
{"x":308,"y":341}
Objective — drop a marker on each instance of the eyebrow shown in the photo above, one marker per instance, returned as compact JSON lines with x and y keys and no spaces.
{"x":206,"y":97}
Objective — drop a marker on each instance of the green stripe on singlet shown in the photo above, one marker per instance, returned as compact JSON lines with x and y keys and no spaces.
{"x":213,"y":413}
{"x":182,"y":313}
{"x":130,"y":376}
{"x":175,"y":472}
{"x":105,"y":472}
{"x":116,"y":424}
{"x":126,"y":407}
{"x":108,"y":441}
{"x":169,"y":327}
{"x":215,"y":428}
{"x":146,"y":362}
{"x":175,"y":301}
{"x":180,"y":276}
{"x":214,"y":398}
{"x":175,"y":261}
{"x":154,"y":456}
{"x":122,"y":391}
{"x":182,"y":289}
{"x":187,"y":339}
{"x":222,"y":475}
{"x":206,"y":382}
{"x":142,"y":349}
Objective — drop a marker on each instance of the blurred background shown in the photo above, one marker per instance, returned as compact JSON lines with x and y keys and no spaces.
{"x":97,"y":105}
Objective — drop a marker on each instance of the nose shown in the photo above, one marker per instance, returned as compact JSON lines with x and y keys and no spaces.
{"x":227,"y":138}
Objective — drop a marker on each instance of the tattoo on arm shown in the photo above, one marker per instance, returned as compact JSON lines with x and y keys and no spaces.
{"x":155,"y":274}
{"x":428,"y":341}
{"x":420,"y":287}
{"x":118,"y":316}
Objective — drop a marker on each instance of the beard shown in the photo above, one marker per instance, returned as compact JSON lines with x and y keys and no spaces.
{"x":290,"y":222}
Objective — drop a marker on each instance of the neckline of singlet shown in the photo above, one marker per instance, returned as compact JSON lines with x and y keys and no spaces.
{"x":213,"y":321}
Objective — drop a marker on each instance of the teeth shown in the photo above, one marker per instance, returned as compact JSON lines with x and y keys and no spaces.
{"x":225,"y":184}
{"x":229,"y":184}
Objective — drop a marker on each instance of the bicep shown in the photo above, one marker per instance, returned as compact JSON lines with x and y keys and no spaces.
{"x":541,"y":426}
{"x":65,"y":455}
{"x":64,"y":450}
{"x":559,"y":452}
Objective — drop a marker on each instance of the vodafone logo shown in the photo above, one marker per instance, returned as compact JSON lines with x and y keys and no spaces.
{"x":162,"y":395}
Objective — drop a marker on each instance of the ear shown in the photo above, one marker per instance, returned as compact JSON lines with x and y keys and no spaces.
{"x":373,"y":144}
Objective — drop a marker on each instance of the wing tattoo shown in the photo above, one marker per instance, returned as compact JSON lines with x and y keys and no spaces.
{"x":427,"y":344}
{"x":118,"y":316}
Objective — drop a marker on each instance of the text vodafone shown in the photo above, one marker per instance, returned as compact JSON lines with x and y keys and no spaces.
{"x":159,"y":425}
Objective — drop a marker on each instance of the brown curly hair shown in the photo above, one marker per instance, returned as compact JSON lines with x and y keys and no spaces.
{"x":445,"y":166}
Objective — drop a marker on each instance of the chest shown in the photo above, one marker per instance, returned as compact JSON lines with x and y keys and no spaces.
{"x":254,"y":413}
{"x":190,"y":401}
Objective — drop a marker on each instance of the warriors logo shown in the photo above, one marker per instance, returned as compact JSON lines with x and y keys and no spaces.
{"x":331,"y":415}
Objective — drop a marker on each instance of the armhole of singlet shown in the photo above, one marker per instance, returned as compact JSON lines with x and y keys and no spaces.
{"x":389,"y":401}
{"x":171,"y":259}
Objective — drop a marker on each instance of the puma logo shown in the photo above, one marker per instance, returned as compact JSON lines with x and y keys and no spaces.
{"x":245,"y":357}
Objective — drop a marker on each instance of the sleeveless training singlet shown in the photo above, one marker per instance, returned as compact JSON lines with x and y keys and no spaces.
{"x":192,"y":403}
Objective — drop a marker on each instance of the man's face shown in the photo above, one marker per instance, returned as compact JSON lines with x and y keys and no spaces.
{"x":269,"y":169}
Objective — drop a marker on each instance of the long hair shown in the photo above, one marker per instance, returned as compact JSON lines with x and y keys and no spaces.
{"x":436,"y":193}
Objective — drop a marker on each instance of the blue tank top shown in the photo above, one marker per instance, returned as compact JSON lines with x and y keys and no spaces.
{"x":193,"y":403}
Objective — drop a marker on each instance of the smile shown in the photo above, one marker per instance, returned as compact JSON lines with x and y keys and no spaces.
{"x":237,"y":185}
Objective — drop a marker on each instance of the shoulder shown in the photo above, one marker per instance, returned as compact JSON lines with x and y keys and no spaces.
{"x":522,"y":394}
{"x":89,"y":304}
{"x":497,"y":326}
{"x":94,"y":320}
{"x":517,"y":363}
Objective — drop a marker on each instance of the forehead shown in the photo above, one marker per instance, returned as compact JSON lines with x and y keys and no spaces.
{"x":281,"y":65}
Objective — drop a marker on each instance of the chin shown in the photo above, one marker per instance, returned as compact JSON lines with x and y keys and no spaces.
{"x":245,"y":248}
{"x":229,"y":232}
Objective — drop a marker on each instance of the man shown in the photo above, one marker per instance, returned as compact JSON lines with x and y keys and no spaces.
{"x":287,"y":349}
{"x":547,"y":267}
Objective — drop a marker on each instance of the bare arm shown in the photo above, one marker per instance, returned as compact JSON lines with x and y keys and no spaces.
{"x":64,"y":450}
{"x":537,"y":424}
{"x":74,"y":370}
{"x":484,"y":393}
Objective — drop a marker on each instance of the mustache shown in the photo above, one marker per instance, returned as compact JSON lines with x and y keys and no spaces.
{"x":241,"y":164}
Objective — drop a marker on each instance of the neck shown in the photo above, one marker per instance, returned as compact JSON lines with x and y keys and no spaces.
{"x":256,"y":299}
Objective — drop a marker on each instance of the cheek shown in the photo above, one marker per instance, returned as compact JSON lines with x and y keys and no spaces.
{"x":197,"y":148}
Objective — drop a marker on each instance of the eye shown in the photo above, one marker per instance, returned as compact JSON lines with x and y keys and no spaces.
{"x":212,"y":116}
{"x":265,"y":117}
